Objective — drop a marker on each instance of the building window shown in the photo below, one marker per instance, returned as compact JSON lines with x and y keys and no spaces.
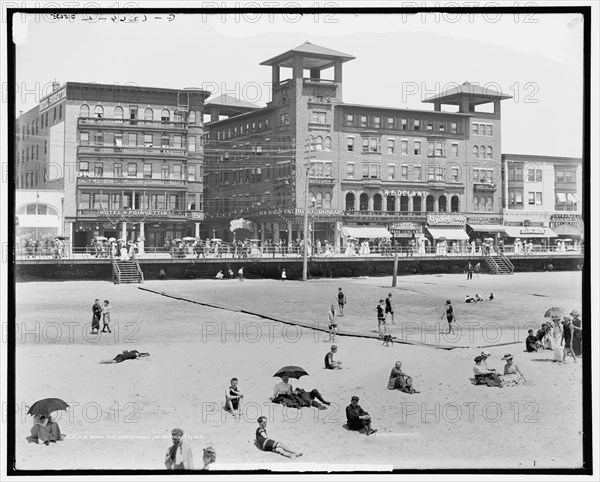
{"x":404,"y":173}
{"x":363,"y":121}
{"x":84,"y":168}
{"x":118,"y":139}
{"x":403,"y":147}
{"x":442,"y":127}
{"x":391,"y":172}
{"x":192,"y":143}
{"x":148,"y":114}
{"x":176,"y":171}
{"x":418,"y":174}
{"x":148,"y":140}
{"x":403,"y":124}
{"x":98,"y":169}
{"x":391,"y":146}
{"x":115,"y":201}
{"x":439,"y":174}
{"x":132,"y":169}
{"x":284,"y":119}
{"x":377,"y":122}
{"x":436,"y":149}
{"x":98,"y":138}
{"x":319,"y":143}
{"x":350,"y":170}
{"x":164,"y":171}
{"x":350,"y":143}
{"x":431,"y":173}
{"x":132,"y":140}
{"x":534,"y":175}
{"x":84,"y":138}
{"x":538,"y":198}
{"x":84,"y":200}
{"x":454,"y":149}
{"x":489,"y":153}
{"x":417,"y":148}
{"x":327,"y":143}
{"x":475,"y":151}
{"x":453,"y":127}
{"x":475,"y":203}
{"x":133,"y":112}
{"x":319,"y":117}
{"x":165,"y":115}
{"x":98,"y":111}
{"x":429,"y":126}
{"x":363,"y":202}
{"x":165,"y":141}
{"x":147,"y":171}
{"x":191,"y":173}
{"x":454,"y":174}
{"x":490,"y":203}
{"x":117,"y":169}
{"x":254,"y":127}
{"x":177,"y":142}
{"x":350,"y":202}
{"x":349,"y":119}
{"x":118,"y":112}
{"x":488,"y":130}
{"x":371,"y":170}
{"x":84,"y":111}
{"x":416,"y":125}
{"x":476,"y":129}
{"x":371,"y":144}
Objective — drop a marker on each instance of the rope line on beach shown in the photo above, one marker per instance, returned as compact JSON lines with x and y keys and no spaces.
{"x":298,"y":323}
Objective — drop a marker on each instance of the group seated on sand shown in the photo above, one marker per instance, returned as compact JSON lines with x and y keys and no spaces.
{"x":488,"y":376}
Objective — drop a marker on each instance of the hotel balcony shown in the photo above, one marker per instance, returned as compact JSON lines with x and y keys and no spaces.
{"x":130,"y":181}
{"x":484,"y":186}
{"x":146,"y":124}
{"x":96,"y":151}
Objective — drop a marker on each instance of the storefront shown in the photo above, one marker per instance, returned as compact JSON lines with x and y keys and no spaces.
{"x":404,"y":232}
{"x":447,"y":227}
{"x":483,"y":227}
{"x":567,"y":225}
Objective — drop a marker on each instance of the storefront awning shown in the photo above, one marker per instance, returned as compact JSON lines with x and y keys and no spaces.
{"x":370,"y":232}
{"x":448,"y":232}
{"x":523,"y":232}
{"x":562,"y":198}
{"x":487,"y":228}
{"x":567,"y":229}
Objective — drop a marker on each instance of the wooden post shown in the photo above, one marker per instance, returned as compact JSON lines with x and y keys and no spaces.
{"x":395,"y":275}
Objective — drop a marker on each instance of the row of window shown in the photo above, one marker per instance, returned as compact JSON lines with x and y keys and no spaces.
{"x":482,"y":129}
{"x":133,"y":113}
{"x":518,"y":172}
{"x":32,"y":128}
{"x":31,"y":154}
{"x":139,"y":200}
{"x":134,"y":139}
{"x":148,"y":170}
{"x":257,"y":174}
{"x":241,"y":202}
{"x":515,"y":197}
{"x":37,"y":208}
{"x":247,"y":128}
{"x":377,"y":121}
{"x":372,"y":170}
{"x":417,"y":203}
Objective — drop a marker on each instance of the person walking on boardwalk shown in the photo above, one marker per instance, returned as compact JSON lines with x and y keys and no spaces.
{"x":449,"y":312}
{"x":341,"y":298}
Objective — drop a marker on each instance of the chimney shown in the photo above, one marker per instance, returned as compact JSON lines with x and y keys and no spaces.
{"x":55,"y":85}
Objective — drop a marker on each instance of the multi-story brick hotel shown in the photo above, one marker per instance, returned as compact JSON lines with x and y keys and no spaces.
{"x":372,"y":169}
{"x":127,"y":159}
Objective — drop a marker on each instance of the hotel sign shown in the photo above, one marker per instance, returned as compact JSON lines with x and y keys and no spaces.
{"x":484,"y":220}
{"x":446,"y":219}
{"x":566,"y":218}
{"x":53,"y":98}
{"x":399,"y":193}
{"x":405,"y":227}
{"x":142,"y":213}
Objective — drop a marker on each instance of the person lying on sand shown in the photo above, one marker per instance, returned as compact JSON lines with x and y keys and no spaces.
{"x":270,"y":445}
{"x":126,"y":355}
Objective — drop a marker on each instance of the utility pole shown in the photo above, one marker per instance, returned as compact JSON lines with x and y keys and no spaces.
{"x":308,"y":145}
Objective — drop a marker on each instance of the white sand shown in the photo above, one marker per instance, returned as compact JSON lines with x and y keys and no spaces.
{"x":121,"y":415}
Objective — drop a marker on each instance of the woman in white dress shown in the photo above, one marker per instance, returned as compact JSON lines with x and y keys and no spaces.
{"x":512,"y":374}
{"x":556,"y":342}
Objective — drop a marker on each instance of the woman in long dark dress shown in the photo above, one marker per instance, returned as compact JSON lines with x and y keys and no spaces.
{"x":568,"y":338}
{"x":576,"y":332}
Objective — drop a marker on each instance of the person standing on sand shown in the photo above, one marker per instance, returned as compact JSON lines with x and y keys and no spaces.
{"x":179,"y":456}
{"x":568,"y":338}
{"x":341,"y":299}
{"x":283,"y":275}
{"x":241,"y":274}
{"x":380,"y":316}
{"x":576,"y":333}
{"x":557,"y":333}
{"x":97,"y":313}
{"x":106,"y":317}
{"x":469,"y":271}
{"x":449,"y":312}
{"x":388,"y":306}
{"x":332,"y":324}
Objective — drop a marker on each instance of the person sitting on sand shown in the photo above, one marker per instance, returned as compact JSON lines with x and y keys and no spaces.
{"x":282,"y":390}
{"x":45,"y":430}
{"x":357,"y":418}
{"x":478,"y":298}
{"x":270,"y":445}
{"x":126,"y":355}
{"x":233,"y":398}
{"x":485,"y":376}
{"x":209,"y":457}
{"x":532,"y":344}
{"x":491,"y":297}
{"x":179,"y":456}
{"x":219,"y":275}
{"x":330,"y":364}
{"x":400,"y":380}
{"x":512,"y":374}
{"x":309,"y":399}
{"x":469,"y":299}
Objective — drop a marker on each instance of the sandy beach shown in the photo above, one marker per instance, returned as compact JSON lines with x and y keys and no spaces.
{"x":121,"y":415}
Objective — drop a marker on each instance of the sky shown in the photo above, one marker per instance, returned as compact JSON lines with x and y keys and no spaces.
{"x":400,"y":59}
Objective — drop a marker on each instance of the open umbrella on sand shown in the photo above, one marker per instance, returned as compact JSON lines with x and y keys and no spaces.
{"x":555,"y":311}
{"x":47,"y":406}
{"x":291,"y":371}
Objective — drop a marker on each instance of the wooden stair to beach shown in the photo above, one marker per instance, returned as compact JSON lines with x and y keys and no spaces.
{"x":499,"y":264}
{"x":127,"y":271}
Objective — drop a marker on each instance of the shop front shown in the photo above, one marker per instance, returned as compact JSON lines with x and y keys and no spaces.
{"x":151,"y":227}
{"x":567,"y":225}
{"x":485,"y":227}
{"x":404,"y":232}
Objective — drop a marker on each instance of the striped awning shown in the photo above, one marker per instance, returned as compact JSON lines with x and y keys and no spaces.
{"x":448,"y":232}
{"x":523,"y":232}
{"x":487,"y":228}
{"x":368,"y":232}
{"x":567,"y":229}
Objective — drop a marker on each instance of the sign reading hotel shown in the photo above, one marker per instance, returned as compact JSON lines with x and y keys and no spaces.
{"x":399,"y":193}
{"x":142,"y":213}
{"x":446,"y":219}
{"x":53,"y":99}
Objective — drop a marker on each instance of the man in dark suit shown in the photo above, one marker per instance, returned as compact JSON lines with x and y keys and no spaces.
{"x":358,"y":418}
